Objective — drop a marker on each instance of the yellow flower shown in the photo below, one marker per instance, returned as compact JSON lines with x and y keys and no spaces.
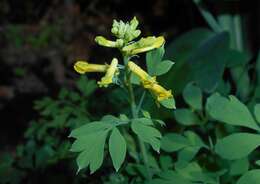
{"x":144,"y":45}
{"x":145,"y":78}
{"x":108,"y":43}
{"x":160,"y":92}
{"x":83,"y":67}
{"x":110,"y":73}
{"x":150,"y":83}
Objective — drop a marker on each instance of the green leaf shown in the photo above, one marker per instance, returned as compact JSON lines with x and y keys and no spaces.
{"x":186,"y":117}
{"x":230,"y":111}
{"x":194,"y":139}
{"x":195,"y":144}
{"x":117,"y":148}
{"x":257,"y":112}
{"x":224,"y":88}
{"x":187,"y":146}
{"x":147,"y":133}
{"x":92,"y":151}
{"x":168,"y":103}
{"x":169,"y":177}
{"x":183,"y":46}
{"x":87,"y":87}
{"x":155,"y":65}
{"x":166,"y":162}
{"x":114,"y":121}
{"x":90,"y":128}
{"x":164,"y":67}
{"x":257,"y":162}
{"x":153,"y":58}
{"x":236,"y":58}
{"x":84,"y":141}
{"x":239,"y":167}
{"x":145,"y":121}
{"x":172,"y":142}
{"x":193,"y":172}
{"x":207,"y":59}
{"x":179,"y":51}
{"x":188,"y":153}
{"x":237,"y":145}
{"x":193,"y":96}
{"x":43,"y":155}
{"x":134,"y":79}
{"x":250,"y":177}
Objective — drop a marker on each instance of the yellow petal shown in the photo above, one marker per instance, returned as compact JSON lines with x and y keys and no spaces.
{"x":160,"y":92}
{"x":111,"y":72}
{"x":144,"y":45}
{"x":137,"y":70}
{"x":83,"y":67}
{"x":145,"y":78}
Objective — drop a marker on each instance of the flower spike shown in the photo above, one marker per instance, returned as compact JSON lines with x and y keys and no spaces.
{"x":110,"y":73}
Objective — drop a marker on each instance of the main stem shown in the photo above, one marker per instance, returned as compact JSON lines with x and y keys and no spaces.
{"x":135,"y":113}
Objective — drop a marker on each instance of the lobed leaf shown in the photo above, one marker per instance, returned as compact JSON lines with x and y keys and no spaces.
{"x":93,"y":153}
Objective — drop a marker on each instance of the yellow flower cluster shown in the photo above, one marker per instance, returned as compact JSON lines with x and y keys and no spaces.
{"x":125,"y":33}
{"x":111,"y":70}
{"x":150,"y":83}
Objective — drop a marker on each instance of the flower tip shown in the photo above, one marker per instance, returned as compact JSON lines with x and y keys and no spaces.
{"x":79,"y":67}
{"x":99,"y":39}
{"x":159,"y":41}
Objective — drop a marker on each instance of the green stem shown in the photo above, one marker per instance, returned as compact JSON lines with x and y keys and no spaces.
{"x":208,"y":17}
{"x":140,"y":103}
{"x":135,"y":112}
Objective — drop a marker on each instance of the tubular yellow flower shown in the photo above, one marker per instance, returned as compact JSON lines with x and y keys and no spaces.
{"x":160,"y":92}
{"x":144,"y":45}
{"x":108,"y":43}
{"x":150,"y":83}
{"x":110,"y":73}
{"x":137,"y":70}
{"x":145,"y":78}
{"x":83,"y":67}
